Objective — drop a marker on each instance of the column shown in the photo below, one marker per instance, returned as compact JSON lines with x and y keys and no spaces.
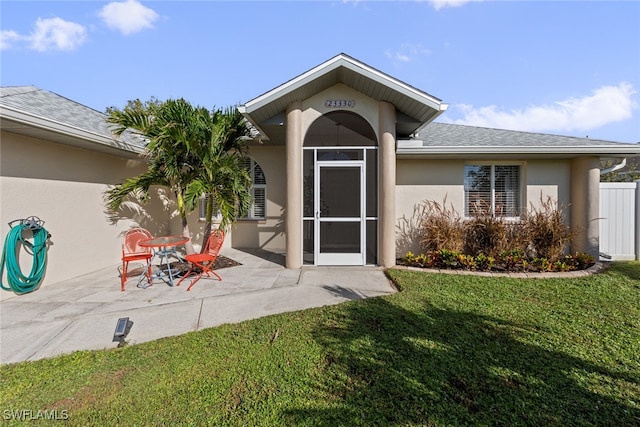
{"x":387,"y":191}
{"x":637,"y":212}
{"x":293,"y":215}
{"x":585,"y":205}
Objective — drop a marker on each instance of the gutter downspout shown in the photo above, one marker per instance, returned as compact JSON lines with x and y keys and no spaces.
{"x":614,"y":168}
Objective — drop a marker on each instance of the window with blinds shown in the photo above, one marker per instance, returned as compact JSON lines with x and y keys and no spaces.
{"x":492,"y":190}
{"x":258,"y":190}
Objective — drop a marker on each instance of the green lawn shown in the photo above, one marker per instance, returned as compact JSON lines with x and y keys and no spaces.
{"x":446,"y":350}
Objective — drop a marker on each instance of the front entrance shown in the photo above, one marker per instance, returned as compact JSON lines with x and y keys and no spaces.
{"x":339,"y":210}
{"x":340,"y":191}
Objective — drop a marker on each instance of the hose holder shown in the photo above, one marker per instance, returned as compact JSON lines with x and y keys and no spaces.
{"x":18,"y":236}
{"x":32,"y":223}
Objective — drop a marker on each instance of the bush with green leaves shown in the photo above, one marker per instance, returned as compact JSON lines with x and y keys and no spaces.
{"x":508,"y":261}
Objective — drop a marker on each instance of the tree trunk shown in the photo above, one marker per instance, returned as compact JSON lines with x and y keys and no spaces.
{"x":207,"y":225}
{"x":188,"y":247}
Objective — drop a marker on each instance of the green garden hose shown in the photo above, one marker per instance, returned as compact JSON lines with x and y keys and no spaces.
{"x":16,"y":280}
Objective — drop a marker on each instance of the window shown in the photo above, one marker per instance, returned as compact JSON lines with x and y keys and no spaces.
{"x":492,"y":190}
{"x":202,"y":210}
{"x":258,"y":190}
{"x":258,"y":208}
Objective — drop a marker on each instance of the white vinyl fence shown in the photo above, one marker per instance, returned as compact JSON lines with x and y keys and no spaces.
{"x":619,"y":220}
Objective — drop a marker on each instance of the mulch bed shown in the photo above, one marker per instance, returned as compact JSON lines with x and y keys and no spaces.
{"x":224,"y":262}
{"x":221,"y":262}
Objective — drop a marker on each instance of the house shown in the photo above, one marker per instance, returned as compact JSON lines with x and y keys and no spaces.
{"x":343,"y":154}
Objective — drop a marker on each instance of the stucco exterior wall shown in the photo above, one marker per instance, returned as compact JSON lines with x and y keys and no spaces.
{"x":549,"y":179}
{"x":64,"y":186}
{"x":443,"y":180}
{"x":266,"y":234}
{"x":420,"y":180}
{"x":314,"y":107}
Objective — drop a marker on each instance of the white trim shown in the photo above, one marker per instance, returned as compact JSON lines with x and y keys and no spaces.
{"x":339,"y":258}
{"x":518,"y":149}
{"x":251,"y":215}
{"x":492,"y":190}
{"x":338,"y":61}
{"x":50,"y":125}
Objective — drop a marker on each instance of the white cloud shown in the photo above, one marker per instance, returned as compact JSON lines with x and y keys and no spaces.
{"x":128,"y":17}
{"x":7,"y":38}
{"x":607,"y":104}
{"x":407,"y":53}
{"x":439,"y":4}
{"x":56,"y":34}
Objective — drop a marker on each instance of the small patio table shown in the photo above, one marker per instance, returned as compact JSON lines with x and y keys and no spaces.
{"x":163,"y":247}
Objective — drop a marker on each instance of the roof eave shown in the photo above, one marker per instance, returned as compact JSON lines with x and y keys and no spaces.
{"x":334,"y":63}
{"x":59,"y":128}
{"x":466,"y":151}
{"x":264,"y":106}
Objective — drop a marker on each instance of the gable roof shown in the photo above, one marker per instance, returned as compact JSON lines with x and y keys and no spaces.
{"x":414,"y":106}
{"x":38,"y":113}
{"x":444,"y":140}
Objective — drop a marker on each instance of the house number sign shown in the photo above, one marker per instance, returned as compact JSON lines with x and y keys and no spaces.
{"x":340,"y":103}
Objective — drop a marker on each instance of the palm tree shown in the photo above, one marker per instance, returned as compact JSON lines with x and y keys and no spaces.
{"x":193,"y":152}
{"x":222,"y":177}
{"x":170,"y":128}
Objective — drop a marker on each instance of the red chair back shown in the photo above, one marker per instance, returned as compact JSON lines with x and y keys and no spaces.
{"x":131,"y":242}
{"x":132,"y":251}
{"x":214,"y":243}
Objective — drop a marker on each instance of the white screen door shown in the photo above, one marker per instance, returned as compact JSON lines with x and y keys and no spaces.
{"x":339,"y":213}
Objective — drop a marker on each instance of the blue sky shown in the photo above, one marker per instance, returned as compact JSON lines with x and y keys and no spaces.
{"x":568,"y":67}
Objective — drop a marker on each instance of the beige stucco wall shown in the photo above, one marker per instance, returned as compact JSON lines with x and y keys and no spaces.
{"x":314,"y":107}
{"x":585,"y":205}
{"x":64,"y":187}
{"x":267,"y":234}
{"x":443,"y":180}
{"x":549,"y":179}
{"x":419,"y":180}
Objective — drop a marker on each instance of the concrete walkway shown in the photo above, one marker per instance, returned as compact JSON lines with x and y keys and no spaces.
{"x":81,"y":314}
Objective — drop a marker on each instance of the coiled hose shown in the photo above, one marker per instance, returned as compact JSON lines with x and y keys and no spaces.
{"x":16,"y":280}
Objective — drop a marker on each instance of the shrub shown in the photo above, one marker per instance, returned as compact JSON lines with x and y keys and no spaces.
{"x":506,"y":261}
{"x":547,"y":232}
{"x":449,"y":259}
{"x":512,"y":260}
{"x":486,"y":234}
{"x":441,"y":227}
{"x":486,"y":242}
{"x":468,"y":262}
{"x":484,"y":262}
{"x":583,"y":260}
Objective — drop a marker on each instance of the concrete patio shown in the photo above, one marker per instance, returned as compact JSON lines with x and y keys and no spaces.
{"x":81,"y":314}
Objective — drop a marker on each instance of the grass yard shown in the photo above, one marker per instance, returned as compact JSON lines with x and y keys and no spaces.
{"x":446,"y":350}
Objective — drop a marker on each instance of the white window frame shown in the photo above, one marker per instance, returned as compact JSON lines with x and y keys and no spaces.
{"x":492,"y":165}
{"x":256,"y":186}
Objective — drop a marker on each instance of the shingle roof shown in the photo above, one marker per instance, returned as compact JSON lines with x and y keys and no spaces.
{"x":441,"y":139}
{"x":38,"y":103}
{"x":446,"y":134}
{"x":444,"y":139}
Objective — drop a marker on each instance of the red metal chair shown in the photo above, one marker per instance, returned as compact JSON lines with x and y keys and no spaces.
{"x":132,"y":251}
{"x":204,"y":261}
